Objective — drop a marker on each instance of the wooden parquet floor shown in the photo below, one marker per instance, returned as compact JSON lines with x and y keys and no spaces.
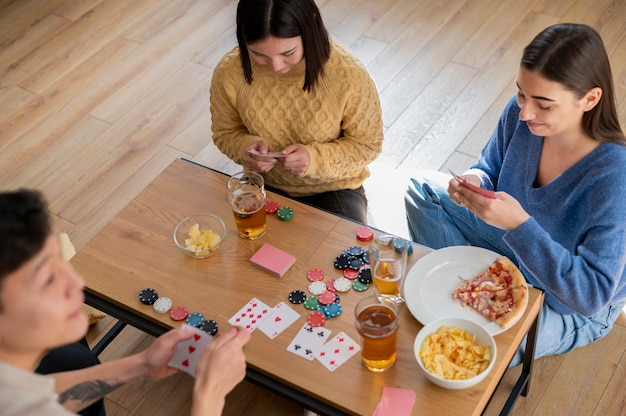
{"x":97,"y":97}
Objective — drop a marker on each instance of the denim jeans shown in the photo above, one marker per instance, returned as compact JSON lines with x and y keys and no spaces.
{"x":436,"y":222}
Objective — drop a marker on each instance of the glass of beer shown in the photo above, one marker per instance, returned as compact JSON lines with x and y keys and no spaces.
{"x":388,"y":255}
{"x":247,"y":198}
{"x":377,"y":323}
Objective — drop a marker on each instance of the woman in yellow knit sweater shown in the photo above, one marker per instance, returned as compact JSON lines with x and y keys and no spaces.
{"x":288,"y":89}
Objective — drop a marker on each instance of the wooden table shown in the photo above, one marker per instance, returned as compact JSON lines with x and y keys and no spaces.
{"x":136,"y":250}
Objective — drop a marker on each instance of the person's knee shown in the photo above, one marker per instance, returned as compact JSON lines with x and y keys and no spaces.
{"x":68,"y":357}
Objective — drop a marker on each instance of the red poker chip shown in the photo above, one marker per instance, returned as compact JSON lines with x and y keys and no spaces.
{"x":315,"y":275}
{"x":326,"y":298}
{"x":179,"y":313}
{"x":365,"y":233}
{"x":316,"y":319}
{"x":271,"y":207}
{"x":350,"y":274}
{"x":330,"y":285}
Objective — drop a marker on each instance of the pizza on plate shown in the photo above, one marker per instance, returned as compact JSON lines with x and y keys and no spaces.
{"x":499,"y":293}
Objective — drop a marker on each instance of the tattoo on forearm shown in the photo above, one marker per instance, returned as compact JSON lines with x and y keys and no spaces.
{"x":88,"y":392}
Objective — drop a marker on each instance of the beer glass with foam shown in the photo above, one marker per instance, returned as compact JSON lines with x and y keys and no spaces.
{"x":246,"y":193}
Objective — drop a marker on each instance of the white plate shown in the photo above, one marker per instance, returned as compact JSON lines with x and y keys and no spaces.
{"x":429,"y":285}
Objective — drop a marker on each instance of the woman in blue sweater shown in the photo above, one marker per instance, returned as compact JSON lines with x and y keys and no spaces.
{"x":556,"y":161}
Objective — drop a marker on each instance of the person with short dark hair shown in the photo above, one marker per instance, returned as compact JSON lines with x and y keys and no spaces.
{"x":40,"y":309}
{"x":288,"y":88}
{"x":557,"y":160}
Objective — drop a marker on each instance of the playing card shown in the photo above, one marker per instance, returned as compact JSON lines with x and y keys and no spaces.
{"x":278,"y":320}
{"x":308,"y":341}
{"x":337,"y":351}
{"x":395,"y":401}
{"x":474,"y":188}
{"x":274,"y":155}
{"x":189,"y":352}
{"x":251,"y":315}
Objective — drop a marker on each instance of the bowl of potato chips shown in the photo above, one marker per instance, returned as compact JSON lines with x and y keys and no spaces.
{"x":200,"y":235}
{"x":455,"y":353}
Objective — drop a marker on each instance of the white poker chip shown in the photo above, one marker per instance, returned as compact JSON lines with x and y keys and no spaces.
{"x":162,"y":305}
{"x":342,"y":284}
{"x":317,"y":287}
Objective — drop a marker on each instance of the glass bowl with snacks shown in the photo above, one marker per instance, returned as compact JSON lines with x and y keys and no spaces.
{"x":455,"y":353}
{"x":200,"y":235}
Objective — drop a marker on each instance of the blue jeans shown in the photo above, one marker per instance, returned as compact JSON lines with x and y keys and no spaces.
{"x":436,"y":222}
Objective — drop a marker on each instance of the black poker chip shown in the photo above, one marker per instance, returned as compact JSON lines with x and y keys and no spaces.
{"x":148,"y":296}
{"x":342,"y":261}
{"x":209,"y":326}
{"x":297,"y":297}
{"x":365,"y":275}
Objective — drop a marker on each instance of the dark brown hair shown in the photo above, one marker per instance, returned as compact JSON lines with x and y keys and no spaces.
{"x":574,"y":56}
{"x":259,"y":19}
{"x":24,"y":228}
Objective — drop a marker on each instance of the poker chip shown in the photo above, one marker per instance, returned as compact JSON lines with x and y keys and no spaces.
{"x":148,"y":296}
{"x":355,"y":251}
{"x":162,"y":305}
{"x":365,"y":275}
{"x":316,"y":319}
{"x":326,"y":298}
{"x":271,"y":207}
{"x":364,"y":234}
{"x":342,"y":261}
{"x":311,"y":303}
{"x":332,"y":310}
{"x":209,"y":326}
{"x":179,"y":313}
{"x":342,"y":284}
{"x":330,"y":285}
{"x":350,"y":274}
{"x":195,"y":319}
{"x":317,"y":288}
{"x":359,"y":286}
{"x":284,"y":213}
{"x":315,"y":275}
{"x":355,"y":264}
{"x":297,"y":297}
{"x":366,"y":257}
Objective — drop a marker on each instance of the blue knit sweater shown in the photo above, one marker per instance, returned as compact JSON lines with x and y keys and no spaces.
{"x":574,"y":245}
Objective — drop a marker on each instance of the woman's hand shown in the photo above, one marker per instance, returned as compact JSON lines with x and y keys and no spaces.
{"x":503,"y":212}
{"x":258,"y":162}
{"x":296,"y":159}
{"x":221,"y":367}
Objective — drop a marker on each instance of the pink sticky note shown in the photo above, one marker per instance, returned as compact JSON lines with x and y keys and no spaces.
{"x":395,"y":402}
{"x":273,"y":260}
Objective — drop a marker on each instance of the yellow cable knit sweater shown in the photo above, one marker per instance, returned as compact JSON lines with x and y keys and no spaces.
{"x":339,"y":123}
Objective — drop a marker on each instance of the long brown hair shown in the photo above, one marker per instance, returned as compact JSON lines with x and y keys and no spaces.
{"x":258,"y":19}
{"x":574,"y":56}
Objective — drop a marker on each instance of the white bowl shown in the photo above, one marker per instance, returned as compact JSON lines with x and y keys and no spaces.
{"x":482,"y":336}
{"x":206,"y":222}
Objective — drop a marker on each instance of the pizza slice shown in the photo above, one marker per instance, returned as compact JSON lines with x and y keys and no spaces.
{"x":499,"y":293}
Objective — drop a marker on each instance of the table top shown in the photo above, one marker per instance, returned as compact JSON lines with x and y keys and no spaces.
{"x":136,"y":250}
